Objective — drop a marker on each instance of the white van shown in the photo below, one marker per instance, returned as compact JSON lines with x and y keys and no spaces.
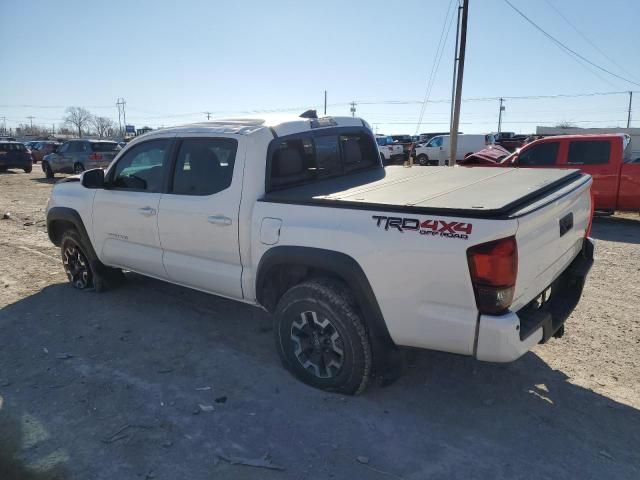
{"x":436,"y":151}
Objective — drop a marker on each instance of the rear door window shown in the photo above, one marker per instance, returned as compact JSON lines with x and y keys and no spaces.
{"x":540,"y":155}
{"x":589,"y":152}
{"x":204,"y":166}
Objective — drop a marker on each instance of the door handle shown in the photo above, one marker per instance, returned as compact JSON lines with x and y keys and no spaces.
{"x":219,"y":220}
{"x":148,"y":211}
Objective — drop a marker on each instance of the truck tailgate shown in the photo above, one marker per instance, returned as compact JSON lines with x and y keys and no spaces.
{"x":549,"y":236}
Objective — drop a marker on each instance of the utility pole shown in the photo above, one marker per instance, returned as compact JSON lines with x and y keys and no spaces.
{"x":208,"y":114}
{"x":4,"y":124}
{"x":455,"y":70}
{"x":500,"y":115}
{"x":458,"y":93}
{"x":629,"y":114}
{"x":53,"y":129}
{"x":119,"y":116}
{"x":353,"y":108}
{"x":31,"y":117}
{"x":325,"y":102}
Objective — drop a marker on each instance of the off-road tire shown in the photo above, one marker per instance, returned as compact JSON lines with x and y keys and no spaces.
{"x":100,"y":277}
{"x":332,"y":301}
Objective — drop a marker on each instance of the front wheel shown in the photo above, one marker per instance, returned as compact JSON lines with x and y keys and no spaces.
{"x":83,"y":269}
{"x":423,"y":159}
{"x":321,"y":338}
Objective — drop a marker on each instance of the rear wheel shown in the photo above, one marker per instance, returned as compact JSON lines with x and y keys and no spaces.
{"x":321,"y":338}
{"x":423,"y":159}
{"x":47,"y":170}
{"x":78,"y":168}
{"x":27,"y":169}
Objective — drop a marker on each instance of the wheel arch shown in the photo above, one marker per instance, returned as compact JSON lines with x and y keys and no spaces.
{"x":60,"y":219}
{"x":282,"y":267}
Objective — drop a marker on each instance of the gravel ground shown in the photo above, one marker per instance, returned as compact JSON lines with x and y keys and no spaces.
{"x":156,"y":381}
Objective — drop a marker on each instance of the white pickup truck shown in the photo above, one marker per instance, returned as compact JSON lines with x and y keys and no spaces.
{"x":353,"y":260}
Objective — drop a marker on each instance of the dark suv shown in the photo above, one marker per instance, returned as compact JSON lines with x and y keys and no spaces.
{"x":76,"y":156}
{"x":15,"y":155}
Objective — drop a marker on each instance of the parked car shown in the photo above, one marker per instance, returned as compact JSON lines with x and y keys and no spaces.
{"x":76,"y":156}
{"x":510,"y":140}
{"x":14,"y":155}
{"x":41,"y":149}
{"x":406,"y":141}
{"x":389,"y":151}
{"x":606,"y":157}
{"x":353,"y":259}
{"x":438,"y":150}
{"x":425,"y":137}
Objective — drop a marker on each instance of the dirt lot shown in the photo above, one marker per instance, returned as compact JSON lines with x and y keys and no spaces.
{"x":109,"y":386}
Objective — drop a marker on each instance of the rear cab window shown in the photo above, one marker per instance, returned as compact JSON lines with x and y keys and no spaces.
{"x":311,"y":157}
{"x":104,"y":146}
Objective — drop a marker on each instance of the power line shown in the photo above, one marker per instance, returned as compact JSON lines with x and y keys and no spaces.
{"x":587,"y":39}
{"x":436,"y":63}
{"x":567,"y":49}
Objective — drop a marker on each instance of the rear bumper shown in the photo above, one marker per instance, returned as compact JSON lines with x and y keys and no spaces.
{"x":14,"y":163}
{"x":505,"y":338}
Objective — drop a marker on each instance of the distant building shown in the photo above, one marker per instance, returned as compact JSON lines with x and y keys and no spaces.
{"x":634,"y":133}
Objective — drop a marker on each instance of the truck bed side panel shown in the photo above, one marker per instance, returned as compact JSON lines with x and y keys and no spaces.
{"x":421,"y":281}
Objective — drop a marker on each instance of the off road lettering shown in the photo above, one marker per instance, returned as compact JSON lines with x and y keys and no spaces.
{"x":429,"y":227}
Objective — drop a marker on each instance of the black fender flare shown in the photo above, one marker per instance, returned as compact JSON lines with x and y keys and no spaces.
{"x":67,"y":215}
{"x":386,"y":353}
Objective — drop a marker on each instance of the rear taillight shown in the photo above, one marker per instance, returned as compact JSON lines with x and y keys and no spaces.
{"x":587,"y":233}
{"x":95,"y":157}
{"x":494,"y":268}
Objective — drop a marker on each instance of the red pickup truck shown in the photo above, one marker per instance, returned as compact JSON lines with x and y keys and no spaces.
{"x":606,"y":157}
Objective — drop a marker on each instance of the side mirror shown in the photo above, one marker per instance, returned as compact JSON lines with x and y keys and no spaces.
{"x":93,"y":178}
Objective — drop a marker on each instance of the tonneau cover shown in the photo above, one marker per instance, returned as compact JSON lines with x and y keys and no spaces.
{"x":477,"y":192}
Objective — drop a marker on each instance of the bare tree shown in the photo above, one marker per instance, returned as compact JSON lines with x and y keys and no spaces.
{"x":64,"y":130}
{"x":103,"y":125}
{"x":32,"y":130}
{"x":78,"y":117}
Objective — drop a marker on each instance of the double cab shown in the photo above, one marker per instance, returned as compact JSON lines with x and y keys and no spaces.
{"x":354,"y":260}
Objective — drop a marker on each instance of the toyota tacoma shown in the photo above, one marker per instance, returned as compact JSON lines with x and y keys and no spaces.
{"x":353,"y":260}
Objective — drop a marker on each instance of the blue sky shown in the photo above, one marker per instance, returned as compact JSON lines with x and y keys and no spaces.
{"x":172,"y":61}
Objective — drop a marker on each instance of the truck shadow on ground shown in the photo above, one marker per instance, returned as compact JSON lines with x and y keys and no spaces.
{"x":448,"y":415}
{"x":616,"y":229}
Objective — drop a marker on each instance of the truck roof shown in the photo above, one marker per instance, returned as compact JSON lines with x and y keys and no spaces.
{"x":279,"y":124}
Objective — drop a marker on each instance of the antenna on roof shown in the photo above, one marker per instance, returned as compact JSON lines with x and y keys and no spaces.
{"x":309,"y":114}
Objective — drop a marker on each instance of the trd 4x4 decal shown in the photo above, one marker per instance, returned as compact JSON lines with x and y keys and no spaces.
{"x":429,"y":227}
